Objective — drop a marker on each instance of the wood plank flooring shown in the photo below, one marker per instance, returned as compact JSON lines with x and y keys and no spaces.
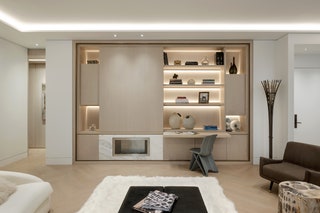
{"x":73,"y":184}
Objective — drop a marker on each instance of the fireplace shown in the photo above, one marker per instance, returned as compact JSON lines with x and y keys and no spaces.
{"x":139,"y":146}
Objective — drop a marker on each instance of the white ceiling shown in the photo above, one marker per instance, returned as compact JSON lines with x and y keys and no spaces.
{"x":30,"y":22}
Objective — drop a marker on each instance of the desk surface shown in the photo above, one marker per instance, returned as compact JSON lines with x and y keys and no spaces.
{"x":194,"y":134}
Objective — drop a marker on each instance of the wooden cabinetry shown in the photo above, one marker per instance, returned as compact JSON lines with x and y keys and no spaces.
{"x":130,"y":92}
{"x":89,"y":84}
{"x":87,"y":147}
{"x":236,"y":94}
{"x":130,"y":89}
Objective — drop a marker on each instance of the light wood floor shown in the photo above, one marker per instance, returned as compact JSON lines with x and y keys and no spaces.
{"x":73,"y":184}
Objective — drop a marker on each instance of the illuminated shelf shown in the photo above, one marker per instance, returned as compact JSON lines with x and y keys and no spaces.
{"x":193,"y":104}
{"x":194,"y":67}
{"x":185,"y":86}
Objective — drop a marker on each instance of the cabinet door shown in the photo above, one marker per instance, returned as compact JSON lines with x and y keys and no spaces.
{"x":131,"y":89}
{"x":88,"y":147}
{"x":177,"y":148}
{"x":220,"y":149}
{"x":89,"y":84}
{"x":237,"y":147}
{"x":235,"y":94}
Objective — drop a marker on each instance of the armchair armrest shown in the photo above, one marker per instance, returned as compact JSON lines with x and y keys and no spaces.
{"x":312,"y":177}
{"x":19,"y":178}
{"x":265,"y":161}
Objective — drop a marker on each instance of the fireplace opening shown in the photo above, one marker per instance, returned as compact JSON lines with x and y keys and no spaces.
{"x":131,"y":146}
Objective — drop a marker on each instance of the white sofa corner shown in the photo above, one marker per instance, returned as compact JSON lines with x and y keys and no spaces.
{"x":31,"y":196}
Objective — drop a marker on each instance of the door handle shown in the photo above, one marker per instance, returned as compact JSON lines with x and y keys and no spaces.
{"x":296,"y":122}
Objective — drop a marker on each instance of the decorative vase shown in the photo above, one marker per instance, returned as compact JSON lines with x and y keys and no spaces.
{"x":205,"y":61}
{"x":175,"y":120}
{"x":188,"y":122}
{"x":191,"y":82}
{"x":233,"y":68}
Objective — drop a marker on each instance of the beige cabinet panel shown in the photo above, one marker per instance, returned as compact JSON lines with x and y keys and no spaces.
{"x":131,"y":88}
{"x":87,"y":147}
{"x":235,"y":94}
{"x":220,"y":149}
{"x":177,"y":148}
{"x":89,"y":84}
{"x":238,"y":147}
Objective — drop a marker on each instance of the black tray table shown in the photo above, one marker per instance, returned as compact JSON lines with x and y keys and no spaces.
{"x":189,"y":201}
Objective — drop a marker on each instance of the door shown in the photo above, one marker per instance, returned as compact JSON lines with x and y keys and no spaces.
{"x":307,"y":98}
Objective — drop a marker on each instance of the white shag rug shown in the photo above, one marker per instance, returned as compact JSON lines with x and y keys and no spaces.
{"x":109,"y":194}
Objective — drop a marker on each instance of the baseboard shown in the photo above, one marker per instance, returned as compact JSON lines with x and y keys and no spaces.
{"x":59,"y":161}
{"x":12,"y":159}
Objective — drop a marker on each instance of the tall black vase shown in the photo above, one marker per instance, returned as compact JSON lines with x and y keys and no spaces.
{"x":233,"y":68}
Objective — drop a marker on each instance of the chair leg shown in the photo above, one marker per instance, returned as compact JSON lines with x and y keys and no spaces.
{"x":193,"y":159}
{"x":271,"y":184}
{"x":202,"y":167}
{"x":194,"y":163}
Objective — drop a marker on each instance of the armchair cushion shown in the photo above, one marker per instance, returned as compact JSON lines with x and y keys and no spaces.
{"x":313,"y":177}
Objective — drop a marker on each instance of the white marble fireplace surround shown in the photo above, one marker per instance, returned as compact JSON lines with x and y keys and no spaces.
{"x":105,"y":148}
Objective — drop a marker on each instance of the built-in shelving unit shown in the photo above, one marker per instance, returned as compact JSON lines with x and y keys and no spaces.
{"x":152,"y":77}
{"x":192,"y":85}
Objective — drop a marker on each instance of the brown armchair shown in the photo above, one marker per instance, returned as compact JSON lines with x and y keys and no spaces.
{"x":300,"y":163}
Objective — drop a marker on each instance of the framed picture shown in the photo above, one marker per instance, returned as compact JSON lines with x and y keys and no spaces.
{"x":203,"y":97}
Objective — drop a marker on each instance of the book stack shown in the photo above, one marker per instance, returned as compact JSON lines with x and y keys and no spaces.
{"x":156,"y":202}
{"x":210,"y":127}
{"x":175,"y":81}
{"x":208,"y":81}
{"x":182,"y":100}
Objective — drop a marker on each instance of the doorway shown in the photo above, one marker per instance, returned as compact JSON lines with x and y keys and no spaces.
{"x":36,"y":103}
{"x":306,"y":93}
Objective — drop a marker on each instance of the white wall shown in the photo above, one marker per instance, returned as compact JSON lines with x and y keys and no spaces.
{"x":59,"y":80}
{"x":13,"y":107}
{"x":263,"y":69}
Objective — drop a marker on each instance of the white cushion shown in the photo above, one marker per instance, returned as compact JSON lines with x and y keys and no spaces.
{"x":6,"y":189}
{"x":27,"y":198}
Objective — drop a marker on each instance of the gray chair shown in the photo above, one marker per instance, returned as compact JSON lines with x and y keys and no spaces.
{"x":202,"y":157}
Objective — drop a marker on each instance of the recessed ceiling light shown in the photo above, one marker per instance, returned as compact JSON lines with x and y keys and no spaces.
{"x":141,"y":35}
{"x":116,"y":27}
{"x":36,"y":44}
{"x":115,"y":35}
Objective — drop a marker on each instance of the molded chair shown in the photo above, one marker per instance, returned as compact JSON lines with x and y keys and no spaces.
{"x":202,"y":157}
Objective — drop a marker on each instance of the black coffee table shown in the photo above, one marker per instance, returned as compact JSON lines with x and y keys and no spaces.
{"x":190,"y":199}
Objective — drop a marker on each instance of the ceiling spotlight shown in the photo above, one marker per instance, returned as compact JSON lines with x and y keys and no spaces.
{"x":115,"y":35}
{"x":36,"y":44}
{"x":141,"y":35}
